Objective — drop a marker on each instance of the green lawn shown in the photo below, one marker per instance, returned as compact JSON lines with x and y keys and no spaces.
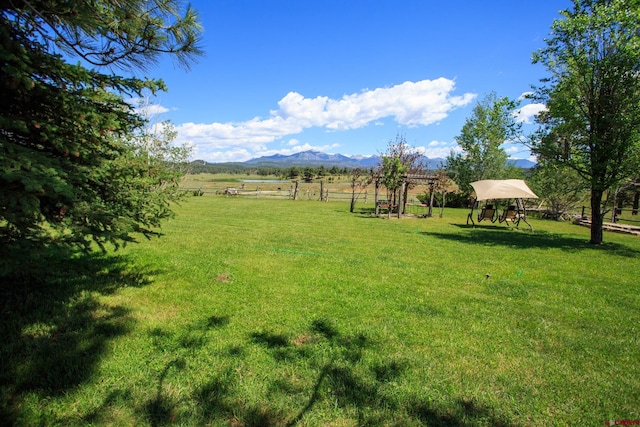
{"x":273,"y":312}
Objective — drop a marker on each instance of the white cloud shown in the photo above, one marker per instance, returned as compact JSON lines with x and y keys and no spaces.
{"x":512,"y":150}
{"x":525,"y":95}
{"x":439,"y":149}
{"x":145,"y":108}
{"x":228,"y":155}
{"x":518,"y":152}
{"x":411,"y":104}
{"x":527,"y":113}
{"x":153,"y":109}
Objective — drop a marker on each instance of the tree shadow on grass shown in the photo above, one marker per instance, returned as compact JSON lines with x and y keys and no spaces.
{"x":520,"y":239}
{"x":349,"y":375}
{"x":160,"y":410}
{"x":462,"y":412}
{"x":54,"y":327}
{"x":351,"y":381}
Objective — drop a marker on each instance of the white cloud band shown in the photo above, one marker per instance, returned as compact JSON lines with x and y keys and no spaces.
{"x":411,"y":104}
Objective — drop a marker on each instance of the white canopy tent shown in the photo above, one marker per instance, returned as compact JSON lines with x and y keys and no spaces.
{"x":494,"y":189}
{"x":489,"y":189}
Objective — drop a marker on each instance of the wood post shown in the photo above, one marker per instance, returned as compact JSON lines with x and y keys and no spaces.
{"x":377,"y":189}
{"x":431,"y":195}
{"x":401,"y":200}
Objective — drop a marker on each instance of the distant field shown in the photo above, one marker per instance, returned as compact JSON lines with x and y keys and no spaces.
{"x":254,"y":312}
{"x":339,"y":187}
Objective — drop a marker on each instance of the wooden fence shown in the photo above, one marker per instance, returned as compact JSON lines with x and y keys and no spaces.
{"x":302,"y":194}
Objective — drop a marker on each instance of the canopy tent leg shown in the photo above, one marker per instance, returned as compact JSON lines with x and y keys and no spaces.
{"x":470,"y":216}
{"x":523,"y":216}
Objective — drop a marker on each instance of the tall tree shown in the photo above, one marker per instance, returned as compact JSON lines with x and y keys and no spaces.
{"x":592,"y":122}
{"x":75,"y":163}
{"x":399,"y":160}
{"x":491,"y":124}
{"x":393,"y":173}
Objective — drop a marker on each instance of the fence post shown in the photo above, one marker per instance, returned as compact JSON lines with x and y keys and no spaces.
{"x":401,"y":200}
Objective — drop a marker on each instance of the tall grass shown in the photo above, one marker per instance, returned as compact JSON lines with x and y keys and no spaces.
{"x":266,"y":312}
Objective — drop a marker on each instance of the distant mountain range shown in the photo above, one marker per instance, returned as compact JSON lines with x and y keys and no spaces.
{"x":521,"y":163}
{"x":317,"y":158}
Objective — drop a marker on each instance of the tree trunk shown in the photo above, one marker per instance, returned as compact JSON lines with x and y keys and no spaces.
{"x":375,"y":197}
{"x":636,"y":199}
{"x":353,"y":200}
{"x":401,"y":201}
{"x":405,"y":187}
{"x":431,"y":196}
{"x":596,"y":217}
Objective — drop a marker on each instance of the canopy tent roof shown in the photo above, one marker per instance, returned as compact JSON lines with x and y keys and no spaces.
{"x":502,"y":189}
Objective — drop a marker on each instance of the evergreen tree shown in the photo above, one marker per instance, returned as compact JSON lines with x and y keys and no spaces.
{"x":75,"y":166}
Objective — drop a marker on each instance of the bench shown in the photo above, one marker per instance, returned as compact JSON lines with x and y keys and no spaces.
{"x":231,"y":192}
{"x":384,"y":204}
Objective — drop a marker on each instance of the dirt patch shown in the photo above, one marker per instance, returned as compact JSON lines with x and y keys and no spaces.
{"x":223,"y":278}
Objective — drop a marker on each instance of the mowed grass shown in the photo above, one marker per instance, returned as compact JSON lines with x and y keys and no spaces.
{"x":275,"y":312}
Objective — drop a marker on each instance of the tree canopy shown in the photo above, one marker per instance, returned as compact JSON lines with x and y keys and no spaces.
{"x":399,"y":160}
{"x":74,"y":167}
{"x":491,"y":124}
{"x":592,"y":122}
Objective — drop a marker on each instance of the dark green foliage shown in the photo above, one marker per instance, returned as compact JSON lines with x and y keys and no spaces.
{"x":119,"y":33}
{"x":267,"y":169}
{"x":72,"y":166}
{"x":592,"y":122}
{"x":399,"y":160}
{"x":491,"y":124}
{"x":393,"y":173}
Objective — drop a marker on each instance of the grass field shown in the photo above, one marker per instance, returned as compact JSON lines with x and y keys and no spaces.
{"x":255,"y":312}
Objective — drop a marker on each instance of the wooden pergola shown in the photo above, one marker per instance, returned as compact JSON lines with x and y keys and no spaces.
{"x":412,"y":178}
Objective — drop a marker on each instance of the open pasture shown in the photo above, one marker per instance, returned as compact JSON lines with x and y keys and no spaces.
{"x":255,"y":312}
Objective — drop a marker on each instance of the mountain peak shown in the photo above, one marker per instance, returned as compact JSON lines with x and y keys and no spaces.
{"x":318,"y":158}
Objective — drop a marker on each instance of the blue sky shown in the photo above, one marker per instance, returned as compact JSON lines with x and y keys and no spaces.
{"x":283,"y":76}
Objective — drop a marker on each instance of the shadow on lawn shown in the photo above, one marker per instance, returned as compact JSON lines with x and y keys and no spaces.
{"x":348,"y":376}
{"x":344,"y":379}
{"x":54,"y":328}
{"x":520,"y":239}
